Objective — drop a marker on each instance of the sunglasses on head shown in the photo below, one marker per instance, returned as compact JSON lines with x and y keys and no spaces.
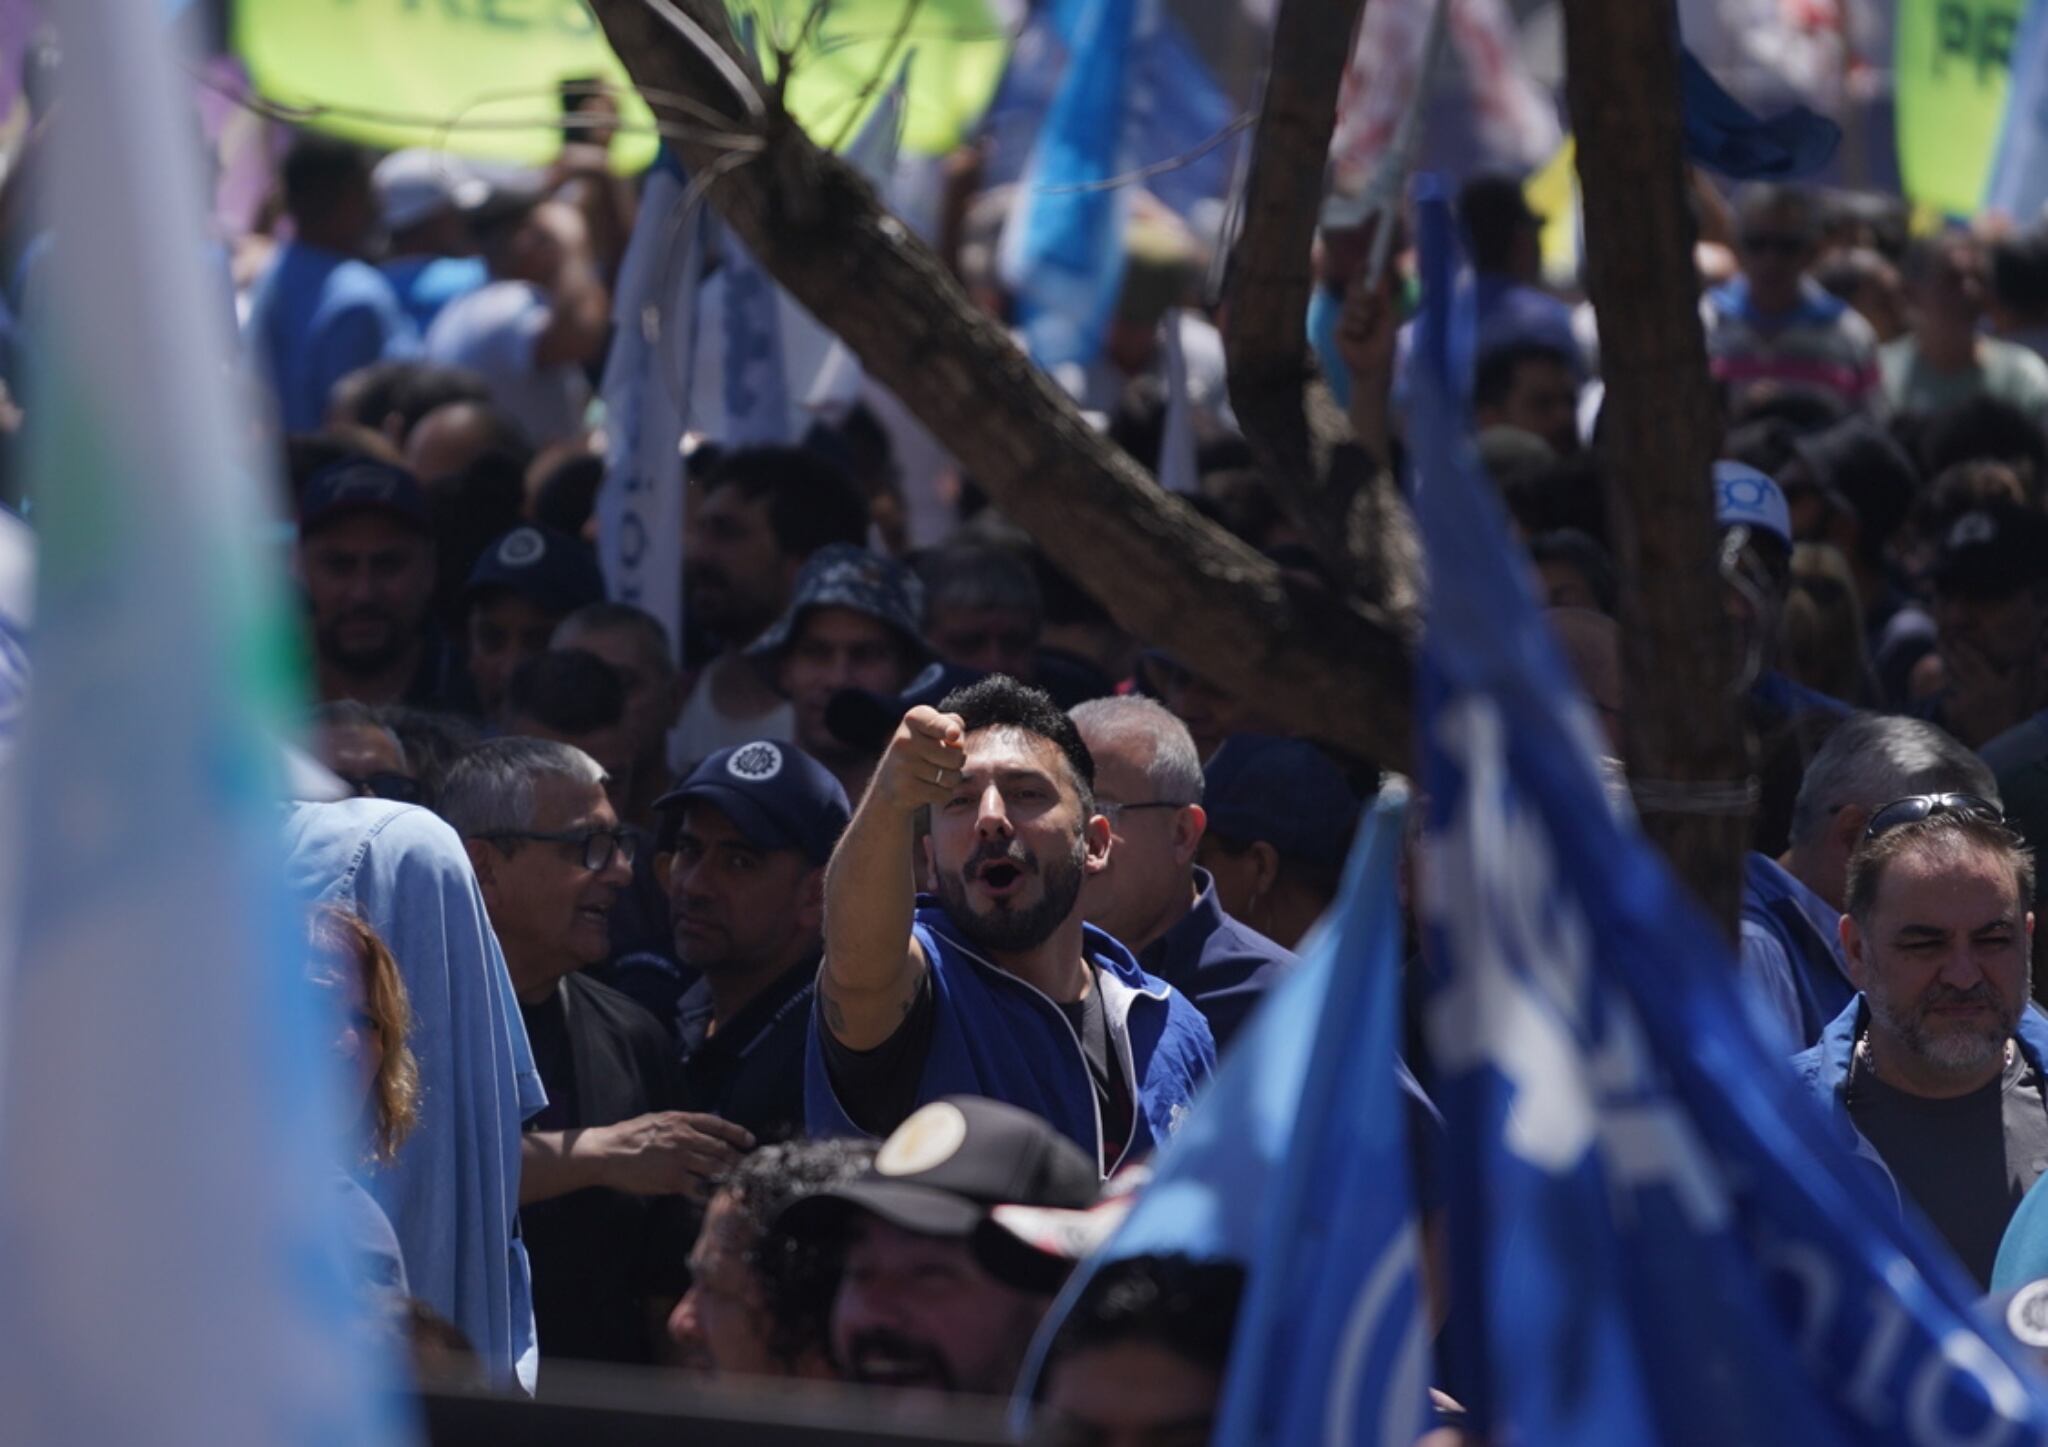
{"x":1913,"y":809}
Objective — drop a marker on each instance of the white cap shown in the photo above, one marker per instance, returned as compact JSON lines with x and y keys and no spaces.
{"x":414,"y":186}
{"x":1748,"y":498}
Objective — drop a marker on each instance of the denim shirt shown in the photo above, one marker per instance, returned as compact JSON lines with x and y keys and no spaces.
{"x":453,"y":1192}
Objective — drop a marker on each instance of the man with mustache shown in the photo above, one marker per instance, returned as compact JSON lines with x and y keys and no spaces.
{"x":742,"y":848}
{"x":935,"y":1293}
{"x":1933,"y":1074}
{"x":996,"y":987}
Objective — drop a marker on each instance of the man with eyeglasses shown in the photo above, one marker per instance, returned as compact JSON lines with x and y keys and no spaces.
{"x":1774,"y":325}
{"x":1933,"y":1073}
{"x":550,"y":859}
{"x":1151,"y":895}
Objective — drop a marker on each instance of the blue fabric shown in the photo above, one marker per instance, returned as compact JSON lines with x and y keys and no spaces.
{"x":1325,"y":314}
{"x":316,"y":317}
{"x":1798,"y":942}
{"x":1224,"y":966}
{"x":1507,"y":313}
{"x":1792,"y":698}
{"x":1817,"y":307}
{"x":995,"y":1036}
{"x":1295,"y":1163}
{"x":1064,"y":256}
{"x":453,"y":1192}
{"x":1658,"y":1238}
{"x":2018,"y":184}
{"x":1824,"y":1070}
{"x":1723,"y":135}
{"x":425,"y":284}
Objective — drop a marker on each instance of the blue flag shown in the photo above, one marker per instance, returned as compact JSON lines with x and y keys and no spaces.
{"x":2019,"y":173}
{"x":1654,"y":1238}
{"x":1063,"y":249}
{"x":1295,"y":1163}
{"x":1724,"y":135}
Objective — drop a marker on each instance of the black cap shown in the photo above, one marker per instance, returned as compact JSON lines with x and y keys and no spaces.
{"x":776,"y":795}
{"x":943,"y":1170}
{"x":363,"y":484}
{"x":866,"y":721}
{"x":556,"y":572}
{"x":1992,"y":552}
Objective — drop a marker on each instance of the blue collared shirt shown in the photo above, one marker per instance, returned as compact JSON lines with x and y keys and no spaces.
{"x":453,"y":1192}
{"x":1221,"y":964}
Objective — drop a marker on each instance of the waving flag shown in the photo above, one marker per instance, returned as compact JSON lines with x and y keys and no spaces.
{"x":1656,"y":1240}
{"x":1295,"y":1163}
{"x":2019,"y":169}
{"x":1063,"y":249}
{"x":170,"y":1228}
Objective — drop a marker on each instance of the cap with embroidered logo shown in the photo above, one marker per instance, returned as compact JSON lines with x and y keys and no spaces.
{"x":775,"y":794}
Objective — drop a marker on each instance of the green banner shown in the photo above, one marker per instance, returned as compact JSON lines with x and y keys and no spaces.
{"x":481,"y":77}
{"x":1951,"y":64}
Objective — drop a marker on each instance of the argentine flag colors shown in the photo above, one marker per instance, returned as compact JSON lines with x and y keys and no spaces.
{"x":170,"y":1243}
{"x":1652,"y":1238}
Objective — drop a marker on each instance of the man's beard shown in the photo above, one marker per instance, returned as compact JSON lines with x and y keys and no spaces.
{"x":1006,"y":930}
{"x":363,"y":662}
{"x":1954,"y":1050}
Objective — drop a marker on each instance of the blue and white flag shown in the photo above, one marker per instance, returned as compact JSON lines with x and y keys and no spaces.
{"x":2018,"y":186}
{"x":649,"y":379}
{"x":1655,"y":1239}
{"x":1294,"y":1162}
{"x":1062,"y":251}
{"x":171,"y":1237}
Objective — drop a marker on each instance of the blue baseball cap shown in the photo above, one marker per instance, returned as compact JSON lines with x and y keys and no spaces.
{"x":1287,"y":792}
{"x":363,"y":484}
{"x":776,"y":795}
{"x":866,"y":720}
{"x":551,"y":569}
{"x":841,"y":575}
{"x":1747,"y":498}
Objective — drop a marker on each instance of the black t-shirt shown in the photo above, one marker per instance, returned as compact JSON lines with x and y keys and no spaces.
{"x":878,"y":1087}
{"x":1965,"y":1162}
{"x":751,"y":1069}
{"x":598,"y":1255}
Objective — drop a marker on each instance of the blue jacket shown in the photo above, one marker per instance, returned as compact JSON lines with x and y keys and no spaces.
{"x":1220,"y":963}
{"x":1791,"y":951}
{"x":1825,"y":1071}
{"x":994,"y":1035}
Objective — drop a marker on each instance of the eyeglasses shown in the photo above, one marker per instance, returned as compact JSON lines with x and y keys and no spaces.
{"x":1913,"y":809}
{"x":1114,"y":812}
{"x":384,"y":784}
{"x":599,"y":846}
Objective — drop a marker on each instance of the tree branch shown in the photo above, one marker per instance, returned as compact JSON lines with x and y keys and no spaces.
{"x":1684,"y":721}
{"x":1337,"y":670}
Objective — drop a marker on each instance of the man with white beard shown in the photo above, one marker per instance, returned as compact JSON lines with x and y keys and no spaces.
{"x":1933,"y":1073}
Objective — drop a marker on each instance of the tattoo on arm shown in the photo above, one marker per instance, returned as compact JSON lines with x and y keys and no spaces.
{"x":835,"y":1018}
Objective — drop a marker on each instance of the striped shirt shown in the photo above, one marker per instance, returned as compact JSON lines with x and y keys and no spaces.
{"x":1820,"y":343}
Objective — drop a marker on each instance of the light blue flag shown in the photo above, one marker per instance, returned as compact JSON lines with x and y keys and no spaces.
{"x":1063,"y":248}
{"x":1295,"y":1163}
{"x":1655,"y":1238}
{"x":170,"y":1219}
{"x":2018,"y":185}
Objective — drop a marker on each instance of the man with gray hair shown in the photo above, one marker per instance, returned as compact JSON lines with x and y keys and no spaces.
{"x":550,"y":858}
{"x":1792,"y":962}
{"x":1152,"y":896}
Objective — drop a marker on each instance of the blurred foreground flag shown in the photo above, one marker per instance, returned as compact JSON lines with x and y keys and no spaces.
{"x":2019,"y":168}
{"x":169,"y":1227}
{"x":1294,"y":1162}
{"x":1654,"y":1239}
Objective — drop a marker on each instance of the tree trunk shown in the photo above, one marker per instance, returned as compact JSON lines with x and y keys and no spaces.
{"x":1685,"y":725}
{"x":1334,"y":669}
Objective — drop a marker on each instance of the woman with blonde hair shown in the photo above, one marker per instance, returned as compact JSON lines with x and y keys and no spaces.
{"x":348,"y":958}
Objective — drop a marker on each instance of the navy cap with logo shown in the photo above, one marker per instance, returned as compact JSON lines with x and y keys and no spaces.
{"x":866,"y":721}
{"x":554,"y":571}
{"x":1992,"y":552}
{"x":840,"y":575}
{"x":1286,"y":792}
{"x":943,"y":1170}
{"x":363,"y":484}
{"x":776,"y":795}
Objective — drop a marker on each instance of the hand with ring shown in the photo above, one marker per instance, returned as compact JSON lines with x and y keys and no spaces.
{"x":922,"y":764}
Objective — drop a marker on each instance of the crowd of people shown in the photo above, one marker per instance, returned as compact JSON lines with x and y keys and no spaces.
{"x":802,"y":996}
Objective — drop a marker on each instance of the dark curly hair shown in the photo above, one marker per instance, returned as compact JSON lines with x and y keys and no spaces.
{"x":798,"y":1276}
{"x":1001,"y":702}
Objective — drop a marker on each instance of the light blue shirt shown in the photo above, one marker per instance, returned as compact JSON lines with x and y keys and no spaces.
{"x":317,"y":316}
{"x":425,"y":284}
{"x":453,"y":1192}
